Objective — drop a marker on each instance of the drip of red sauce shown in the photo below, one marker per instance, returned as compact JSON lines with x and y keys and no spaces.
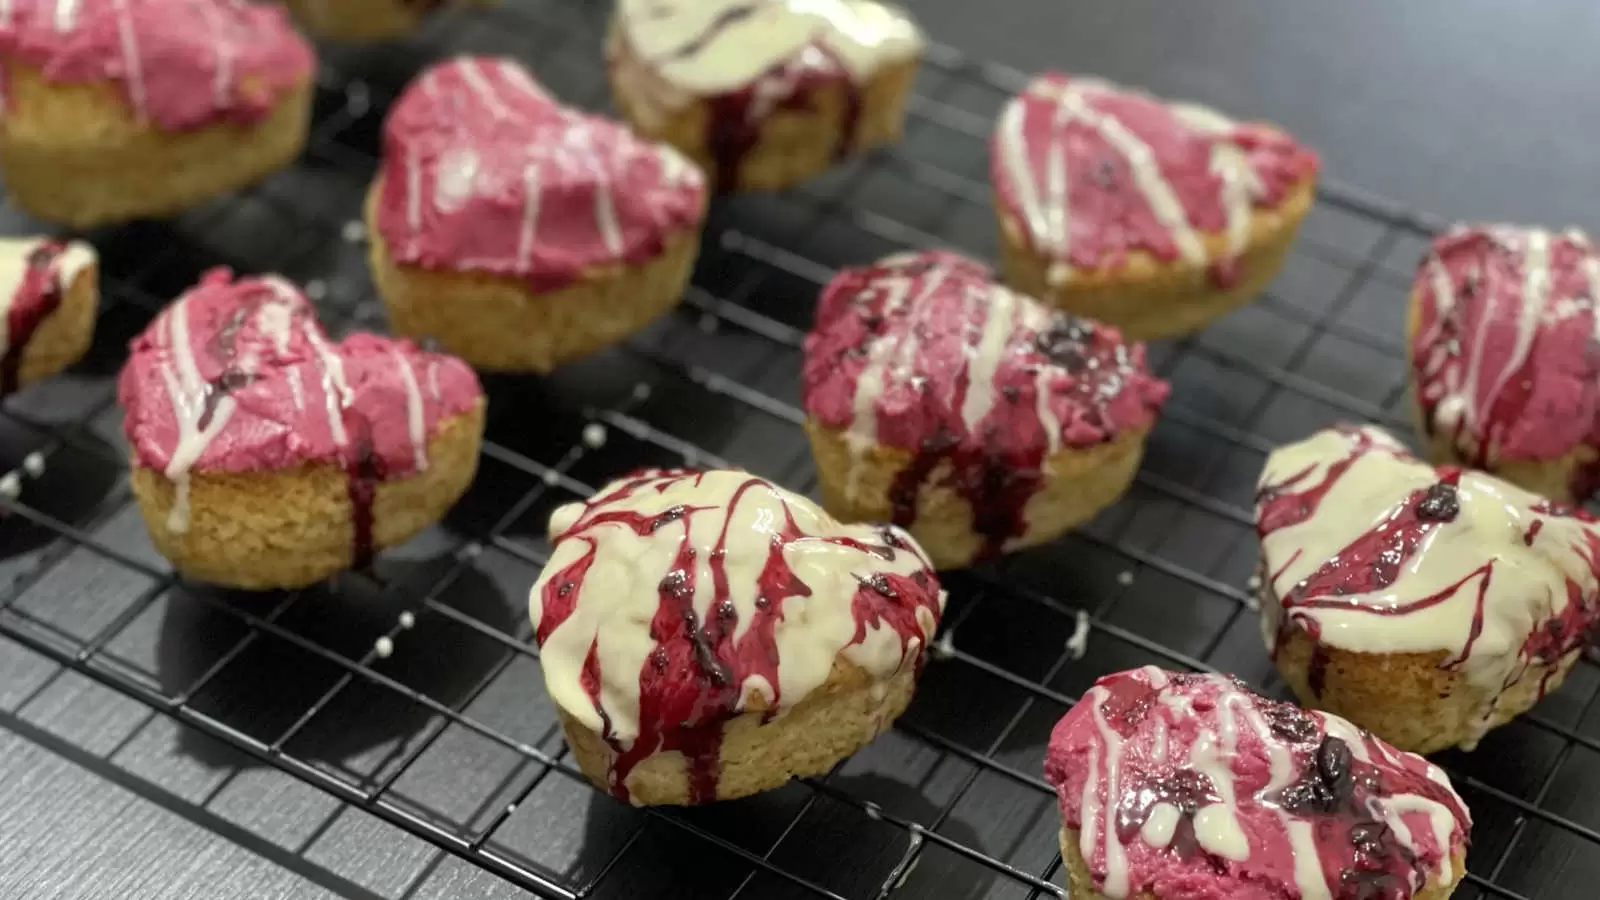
{"x":363,"y":471}
{"x":733,"y":125}
{"x":39,"y":295}
{"x":1334,"y":791}
{"x":692,"y":681}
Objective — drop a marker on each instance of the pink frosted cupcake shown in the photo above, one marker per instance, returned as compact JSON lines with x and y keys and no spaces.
{"x":122,"y":109}
{"x":1151,"y":215}
{"x":1192,"y":787}
{"x":1503,"y":354}
{"x":266,"y":455}
{"x":973,"y":416}
{"x":518,"y":232}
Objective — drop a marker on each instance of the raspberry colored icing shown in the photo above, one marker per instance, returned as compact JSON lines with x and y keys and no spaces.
{"x":1092,"y":172}
{"x":924,"y":352}
{"x":484,"y":172}
{"x":181,"y":63}
{"x":747,"y":59}
{"x":1369,"y":549}
{"x":1193,"y":786}
{"x":1503,"y":349}
{"x":673,"y":599}
{"x":35,"y":275}
{"x":239,"y":376}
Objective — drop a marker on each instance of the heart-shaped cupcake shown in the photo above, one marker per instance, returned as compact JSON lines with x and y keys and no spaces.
{"x":492,"y":193}
{"x":267,"y":455}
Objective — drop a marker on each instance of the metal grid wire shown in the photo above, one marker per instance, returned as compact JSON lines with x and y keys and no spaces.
{"x":950,"y":804}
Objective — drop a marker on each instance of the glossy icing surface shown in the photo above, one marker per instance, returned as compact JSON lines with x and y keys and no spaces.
{"x":924,"y":352}
{"x":181,"y":63}
{"x":747,"y":59}
{"x":35,"y":274}
{"x":1193,"y":786}
{"x":674,"y":599}
{"x":1368,"y":549}
{"x":1504,"y":345}
{"x":238,"y":376}
{"x":1092,"y":172}
{"x":485,"y":172}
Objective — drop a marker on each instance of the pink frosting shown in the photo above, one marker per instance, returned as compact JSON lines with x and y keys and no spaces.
{"x":1086,"y":166}
{"x":252,"y":354}
{"x":181,"y":63}
{"x":925,"y":352}
{"x":484,"y":171}
{"x":1504,"y":350}
{"x":1205,"y":757}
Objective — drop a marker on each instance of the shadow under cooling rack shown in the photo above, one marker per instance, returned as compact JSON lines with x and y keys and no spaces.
{"x":272,"y":717}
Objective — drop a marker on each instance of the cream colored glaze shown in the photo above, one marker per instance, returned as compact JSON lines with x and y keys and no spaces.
{"x":621,"y":592}
{"x":708,"y":47}
{"x":1527,"y":588}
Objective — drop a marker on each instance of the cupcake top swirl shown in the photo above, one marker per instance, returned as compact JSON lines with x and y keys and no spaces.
{"x":1503,"y":343}
{"x":676,"y":600}
{"x":484,"y":171}
{"x":1194,"y":786}
{"x":1092,"y":172}
{"x":181,"y":63}
{"x":710,"y":47}
{"x":1368,"y":549}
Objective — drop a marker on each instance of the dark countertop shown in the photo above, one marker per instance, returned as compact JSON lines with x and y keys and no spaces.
{"x":1470,"y":108}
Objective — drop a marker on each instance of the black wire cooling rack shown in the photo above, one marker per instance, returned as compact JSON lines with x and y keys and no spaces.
{"x":451,"y":738}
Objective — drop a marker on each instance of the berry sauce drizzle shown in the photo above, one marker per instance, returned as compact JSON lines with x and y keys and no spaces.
{"x":733,"y":126}
{"x":238,"y":376}
{"x":924,"y":352}
{"x":1092,"y":172}
{"x":1397,"y":556}
{"x":719,"y":554}
{"x":1194,"y":786}
{"x":748,"y":59}
{"x":41,"y":272}
{"x":1504,"y":346}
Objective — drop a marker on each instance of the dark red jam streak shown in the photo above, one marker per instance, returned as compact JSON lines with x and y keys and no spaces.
{"x":1360,"y":856}
{"x":1536,"y":405}
{"x":39,"y":295}
{"x":733,"y":126}
{"x":690,"y":684}
{"x":1376,"y":559}
{"x":1110,"y":215}
{"x":1098,"y":385}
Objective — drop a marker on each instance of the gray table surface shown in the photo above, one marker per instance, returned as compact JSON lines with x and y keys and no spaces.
{"x":1466,"y":108}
